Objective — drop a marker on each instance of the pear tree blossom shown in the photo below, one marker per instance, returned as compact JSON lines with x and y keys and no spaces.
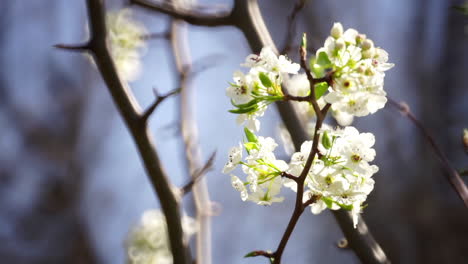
{"x":251,"y":93}
{"x":126,"y":42}
{"x":347,"y":76}
{"x":263,"y":170}
{"x":148,"y":243}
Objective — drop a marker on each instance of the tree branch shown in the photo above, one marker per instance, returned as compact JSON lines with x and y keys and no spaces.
{"x":451,"y":173}
{"x":220,"y":18}
{"x":183,"y":63}
{"x":131,"y":113}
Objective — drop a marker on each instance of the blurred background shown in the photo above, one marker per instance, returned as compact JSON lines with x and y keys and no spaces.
{"x":72,"y":184}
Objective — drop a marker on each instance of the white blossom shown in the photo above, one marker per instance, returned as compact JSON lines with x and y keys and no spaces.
{"x":263,"y":172}
{"x":342,"y":177}
{"x":148,"y":242}
{"x":234,"y":157}
{"x":269,"y":61}
{"x":358,"y":74}
{"x":126,"y":42}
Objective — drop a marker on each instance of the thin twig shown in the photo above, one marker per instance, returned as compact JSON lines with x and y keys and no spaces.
{"x":78,"y":47}
{"x":451,"y":173}
{"x":198,"y":175}
{"x":159,"y":99}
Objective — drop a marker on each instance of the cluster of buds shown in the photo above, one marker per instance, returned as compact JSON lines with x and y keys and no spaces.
{"x":348,"y":75}
{"x":358,"y":73}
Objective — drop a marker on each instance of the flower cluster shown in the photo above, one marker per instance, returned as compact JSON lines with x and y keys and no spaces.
{"x":263,"y":170}
{"x":250,"y":93}
{"x":342,"y":176}
{"x":358,"y":73}
{"x":126,"y":42}
{"x":347,"y":74}
{"x":148,"y":242}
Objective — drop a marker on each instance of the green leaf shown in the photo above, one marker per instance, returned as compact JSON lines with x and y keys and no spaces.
{"x":320,"y":89}
{"x":326,"y":142}
{"x":248,"y":104}
{"x":243,"y":110}
{"x":250,"y":145}
{"x":323,"y":59}
{"x":304,"y":41}
{"x":329,"y":202}
{"x":344,"y":206}
{"x":251,"y":137}
{"x":251,"y":254}
{"x":265,"y":80}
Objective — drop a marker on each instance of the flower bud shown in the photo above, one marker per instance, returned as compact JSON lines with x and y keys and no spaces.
{"x":337,"y":30}
{"x":367,"y":44}
{"x":360,"y":38}
{"x":339,"y":44}
{"x":367,"y":54}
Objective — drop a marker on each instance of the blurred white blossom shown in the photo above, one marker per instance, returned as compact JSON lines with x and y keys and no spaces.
{"x":148,"y":242}
{"x":126,"y":42}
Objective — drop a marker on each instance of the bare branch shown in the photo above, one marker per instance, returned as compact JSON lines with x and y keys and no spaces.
{"x":451,"y":173}
{"x":180,"y":50}
{"x":131,"y":113}
{"x":194,"y":17}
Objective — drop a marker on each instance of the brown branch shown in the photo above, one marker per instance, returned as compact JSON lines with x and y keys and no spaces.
{"x":312,"y":81}
{"x":131,"y":113}
{"x":220,"y":18}
{"x":451,"y":173}
{"x":198,"y":175}
{"x":299,"y":205}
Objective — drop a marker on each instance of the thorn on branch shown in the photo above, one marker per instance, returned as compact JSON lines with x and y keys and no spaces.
{"x":198,"y":174}
{"x":313,"y":198}
{"x":77,"y":47}
{"x":159,"y":99}
{"x":289,"y":176}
